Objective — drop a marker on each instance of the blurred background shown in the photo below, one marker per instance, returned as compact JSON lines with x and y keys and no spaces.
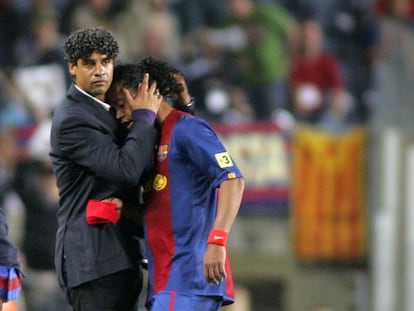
{"x":313,"y":99}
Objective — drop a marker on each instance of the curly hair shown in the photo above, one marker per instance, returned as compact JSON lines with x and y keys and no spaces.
{"x":130,"y":75}
{"x":83,"y":42}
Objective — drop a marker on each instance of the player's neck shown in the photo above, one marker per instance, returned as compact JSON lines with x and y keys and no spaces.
{"x":163,"y":112}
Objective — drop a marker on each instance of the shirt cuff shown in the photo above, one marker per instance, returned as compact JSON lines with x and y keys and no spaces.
{"x":144,"y":115}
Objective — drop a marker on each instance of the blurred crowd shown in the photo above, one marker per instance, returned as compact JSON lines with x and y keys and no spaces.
{"x":246,"y":60}
{"x":282,"y":61}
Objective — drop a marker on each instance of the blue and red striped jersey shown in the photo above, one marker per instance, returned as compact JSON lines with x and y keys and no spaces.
{"x":180,"y":206}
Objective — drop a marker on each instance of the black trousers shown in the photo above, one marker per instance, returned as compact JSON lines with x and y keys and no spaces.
{"x":115,"y":292}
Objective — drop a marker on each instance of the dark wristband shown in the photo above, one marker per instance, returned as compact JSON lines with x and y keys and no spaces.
{"x":189,"y":107}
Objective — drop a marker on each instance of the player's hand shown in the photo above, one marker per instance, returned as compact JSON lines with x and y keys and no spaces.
{"x":119,"y":204}
{"x":185,"y":96}
{"x":147,"y":97}
{"x":214,"y":264}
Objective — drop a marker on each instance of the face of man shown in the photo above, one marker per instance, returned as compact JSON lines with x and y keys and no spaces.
{"x":93,"y":75}
{"x":116,"y":98}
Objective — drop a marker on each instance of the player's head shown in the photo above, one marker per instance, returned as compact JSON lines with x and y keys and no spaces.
{"x":91,"y":53}
{"x":171,"y":83}
{"x":129,"y":76}
{"x":165,"y":75}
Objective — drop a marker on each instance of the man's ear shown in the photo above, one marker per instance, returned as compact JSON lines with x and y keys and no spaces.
{"x":72,"y":68}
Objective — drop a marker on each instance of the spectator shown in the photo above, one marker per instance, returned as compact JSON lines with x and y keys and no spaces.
{"x":44,"y":41}
{"x":155,"y":32}
{"x":258,"y":36}
{"x":401,"y":9}
{"x":315,"y":78}
{"x":353,"y":36}
{"x":228,"y":104}
{"x":240,"y":108}
{"x":92,"y":13}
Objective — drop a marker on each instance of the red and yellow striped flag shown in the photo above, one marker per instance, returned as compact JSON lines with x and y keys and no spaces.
{"x":328,"y":195}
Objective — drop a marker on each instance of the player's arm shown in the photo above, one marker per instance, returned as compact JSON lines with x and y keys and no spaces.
{"x":201,"y":145}
{"x":229,"y":200}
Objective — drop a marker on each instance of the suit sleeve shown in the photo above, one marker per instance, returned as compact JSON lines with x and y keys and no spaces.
{"x":87,"y":145}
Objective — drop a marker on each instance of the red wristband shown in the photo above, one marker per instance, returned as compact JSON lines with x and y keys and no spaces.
{"x":218,"y":237}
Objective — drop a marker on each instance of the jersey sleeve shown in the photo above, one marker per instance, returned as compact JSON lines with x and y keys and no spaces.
{"x":202,"y":147}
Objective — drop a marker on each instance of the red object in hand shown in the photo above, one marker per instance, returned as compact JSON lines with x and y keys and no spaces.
{"x":101,"y":212}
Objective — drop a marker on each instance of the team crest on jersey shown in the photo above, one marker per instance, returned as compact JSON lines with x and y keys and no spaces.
{"x":224,"y":159}
{"x":162,"y":153}
{"x":160,"y":182}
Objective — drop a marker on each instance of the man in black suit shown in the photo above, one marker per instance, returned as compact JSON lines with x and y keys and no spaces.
{"x":97,"y":258}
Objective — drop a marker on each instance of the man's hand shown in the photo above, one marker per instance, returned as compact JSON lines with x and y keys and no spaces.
{"x":145,"y":98}
{"x":185,"y":96}
{"x":214,"y":263}
{"x":119,"y":204}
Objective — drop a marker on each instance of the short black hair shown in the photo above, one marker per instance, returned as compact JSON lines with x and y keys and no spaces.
{"x":83,"y":42}
{"x":130,"y":75}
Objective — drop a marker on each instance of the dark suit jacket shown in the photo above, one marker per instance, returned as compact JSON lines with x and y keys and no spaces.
{"x":89,"y":164}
